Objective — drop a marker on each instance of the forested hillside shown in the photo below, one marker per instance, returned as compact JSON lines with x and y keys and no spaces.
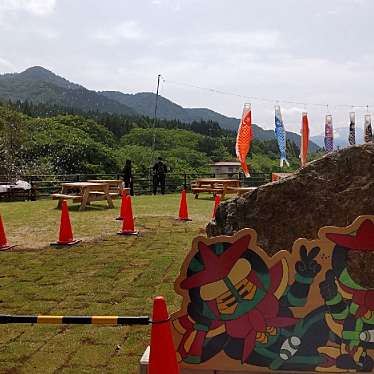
{"x":55,"y":140}
{"x":41,"y":86}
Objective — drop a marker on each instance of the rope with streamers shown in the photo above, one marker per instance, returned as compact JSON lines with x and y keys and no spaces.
{"x":262,"y":99}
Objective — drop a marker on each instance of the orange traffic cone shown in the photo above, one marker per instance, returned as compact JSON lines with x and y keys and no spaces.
{"x":128,"y":220}
{"x":183,"y":210}
{"x":66,"y":233}
{"x":3,"y":241}
{"x":217,"y":200}
{"x":162,"y":357}
{"x":122,"y":211}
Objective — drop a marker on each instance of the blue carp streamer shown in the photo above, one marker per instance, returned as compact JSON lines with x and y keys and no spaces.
{"x":329,"y":134}
{"x":280,"y":134}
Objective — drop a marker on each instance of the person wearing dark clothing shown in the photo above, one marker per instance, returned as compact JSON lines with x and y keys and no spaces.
{"x":127,"y":177}
{"x":159,"y":176}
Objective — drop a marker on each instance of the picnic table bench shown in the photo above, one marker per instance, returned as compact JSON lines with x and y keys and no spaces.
{"x":84,"y":193}
{"x":115,"y":186}
{"x":17,"y":190}
{"x":214,"y":186}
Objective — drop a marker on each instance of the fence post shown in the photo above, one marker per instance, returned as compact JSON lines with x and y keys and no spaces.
{"x":185,"y":181}
{"x":150,"y":178}
{"x":33,"y":189}
{"x":30,"y":190}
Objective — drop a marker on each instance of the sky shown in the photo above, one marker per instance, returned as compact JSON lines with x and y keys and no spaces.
{"x":264,"y":52}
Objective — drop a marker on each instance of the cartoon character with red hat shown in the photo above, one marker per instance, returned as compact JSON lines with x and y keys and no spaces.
{"x":350,"y":306}
{"x":241,"y":306}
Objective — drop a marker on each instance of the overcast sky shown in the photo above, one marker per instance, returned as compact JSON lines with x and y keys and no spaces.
{"x":314,"y":51}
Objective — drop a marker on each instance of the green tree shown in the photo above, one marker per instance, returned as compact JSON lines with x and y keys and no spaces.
{"x":12,"y":137}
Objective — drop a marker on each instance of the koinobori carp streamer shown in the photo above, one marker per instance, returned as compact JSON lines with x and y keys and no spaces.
{"x":352,"y":128}
{"x":329,"y":134}
{"x":280,"y":134}
{"x":244,"y":137}
{"x":368,"y":129}
{"x":304,"y":139}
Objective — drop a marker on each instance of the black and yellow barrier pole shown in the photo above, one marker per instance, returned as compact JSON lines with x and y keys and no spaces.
{"x":81,"y":320}
{"x":162,"y":353}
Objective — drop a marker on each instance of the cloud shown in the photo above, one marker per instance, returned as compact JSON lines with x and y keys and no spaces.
{"x":257,"y":39}
{"x":36,"y":7}
{"x":293,"y":110}
{"x":6,"y":65}
{"x":171,"y":5}
{"x":213,"y":51}
{"x":47,"y":33}
{"x":353,"y":2}
{"x":341,"y":6}
{"x":129,"y":30}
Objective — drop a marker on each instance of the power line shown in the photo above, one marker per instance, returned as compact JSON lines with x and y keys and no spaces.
{"x":268,"y":100}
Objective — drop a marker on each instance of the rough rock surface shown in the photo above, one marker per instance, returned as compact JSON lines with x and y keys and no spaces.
{"x":333,"y":190}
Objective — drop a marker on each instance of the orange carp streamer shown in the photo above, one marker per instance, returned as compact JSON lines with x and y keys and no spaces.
{"x":244,"y":137}
{"x":304,"y":139}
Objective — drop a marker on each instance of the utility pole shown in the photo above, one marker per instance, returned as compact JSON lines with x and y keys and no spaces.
{"x":154,"y":134}
{"x":155,"y":113}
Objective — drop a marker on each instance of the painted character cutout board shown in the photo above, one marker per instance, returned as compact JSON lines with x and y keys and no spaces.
{"x":298,"y":310}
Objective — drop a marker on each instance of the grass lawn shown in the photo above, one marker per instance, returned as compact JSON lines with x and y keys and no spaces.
{"x":106,"y":274}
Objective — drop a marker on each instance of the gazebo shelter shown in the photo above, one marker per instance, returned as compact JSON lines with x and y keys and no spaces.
{"x":225,"y":168}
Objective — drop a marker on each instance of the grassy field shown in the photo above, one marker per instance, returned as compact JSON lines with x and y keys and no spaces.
{"x":105,"y":274}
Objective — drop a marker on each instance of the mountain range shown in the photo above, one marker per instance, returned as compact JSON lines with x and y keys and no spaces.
{"x":340,"y":137}
{"x":39,"y":85}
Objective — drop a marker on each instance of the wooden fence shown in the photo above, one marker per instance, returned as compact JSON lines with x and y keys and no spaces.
{"x":43,"y":185}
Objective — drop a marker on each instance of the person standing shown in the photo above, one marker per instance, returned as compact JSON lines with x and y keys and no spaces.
{"x":159,"y":175}
{"x":127,"y":177}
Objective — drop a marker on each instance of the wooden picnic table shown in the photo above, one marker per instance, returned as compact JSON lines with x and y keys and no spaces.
{"x":84,"y":193}
{"x":115,"y":186}
{"x":214,"y":186}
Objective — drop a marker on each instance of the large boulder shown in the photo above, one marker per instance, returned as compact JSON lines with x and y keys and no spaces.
{"x":333,"y":190}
